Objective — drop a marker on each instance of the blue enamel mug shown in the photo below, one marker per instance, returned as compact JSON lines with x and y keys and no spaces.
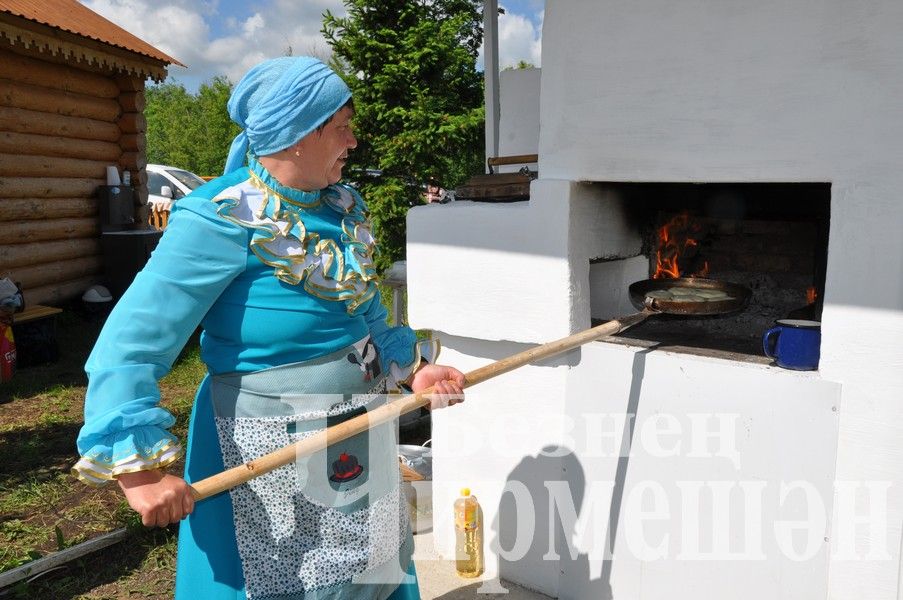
{"x":794,"y":344}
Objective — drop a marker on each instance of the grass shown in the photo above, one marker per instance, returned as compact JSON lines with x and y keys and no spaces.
{"x":44,"y":509}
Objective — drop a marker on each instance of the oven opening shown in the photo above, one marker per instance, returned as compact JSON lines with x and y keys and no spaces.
{"x":769,"y":237}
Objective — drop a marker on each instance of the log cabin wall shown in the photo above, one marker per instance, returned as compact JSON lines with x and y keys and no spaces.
{"x":63,"y":120}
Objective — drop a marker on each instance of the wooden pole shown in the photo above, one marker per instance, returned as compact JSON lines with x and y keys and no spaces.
{"x":235,"y":476}
{"x":57,"y":559}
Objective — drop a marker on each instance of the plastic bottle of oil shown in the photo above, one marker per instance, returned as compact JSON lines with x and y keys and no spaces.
{"x":468,"y":535}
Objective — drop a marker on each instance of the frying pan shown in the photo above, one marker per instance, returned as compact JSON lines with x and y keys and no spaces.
{"x":739,"y":296}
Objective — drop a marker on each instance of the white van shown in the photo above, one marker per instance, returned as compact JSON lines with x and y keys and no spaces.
{"x":166,"y":184}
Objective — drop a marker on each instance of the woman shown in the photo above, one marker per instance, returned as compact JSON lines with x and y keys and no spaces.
{"x":274,"y":260}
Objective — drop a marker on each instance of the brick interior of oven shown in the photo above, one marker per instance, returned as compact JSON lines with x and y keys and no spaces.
{"x":771,"y":238}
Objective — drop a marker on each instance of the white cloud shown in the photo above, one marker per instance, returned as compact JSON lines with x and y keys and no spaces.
{"x":174,"y":28}
{"x":518,"y":39}
{"x":252,"y":25}
{"x":180,"y":29}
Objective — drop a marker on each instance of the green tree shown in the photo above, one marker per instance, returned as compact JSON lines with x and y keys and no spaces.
{"x":191,"y":131}
{"x":418,"y":101}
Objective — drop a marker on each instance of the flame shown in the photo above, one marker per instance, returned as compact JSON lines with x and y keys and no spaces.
{"x":811,"y":295}
{"x":674,"y":240}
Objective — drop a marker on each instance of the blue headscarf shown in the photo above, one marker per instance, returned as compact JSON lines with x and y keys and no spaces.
{"x":279,"y":101}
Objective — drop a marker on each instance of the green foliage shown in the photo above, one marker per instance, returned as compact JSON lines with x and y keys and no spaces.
{"x":190,"y":131}
{"x":521,"y":64}
{"x":418,"y":101}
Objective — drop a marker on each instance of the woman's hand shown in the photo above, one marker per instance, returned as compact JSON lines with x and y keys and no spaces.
{"x":448,"y":384}
{"x":160,"y":498}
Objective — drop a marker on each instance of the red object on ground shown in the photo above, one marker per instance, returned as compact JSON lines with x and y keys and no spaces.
{"x":7,"y":352}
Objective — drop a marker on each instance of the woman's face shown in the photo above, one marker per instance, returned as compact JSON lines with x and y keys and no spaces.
{"x":323,"y":153}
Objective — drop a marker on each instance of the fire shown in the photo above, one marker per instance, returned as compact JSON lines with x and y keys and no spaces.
{"x":673,"y":241}
{"x":811,"y":295}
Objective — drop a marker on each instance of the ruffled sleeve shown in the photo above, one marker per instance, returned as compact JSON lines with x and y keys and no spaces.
{"x":125,"y":431}
{"x":400,"y":352}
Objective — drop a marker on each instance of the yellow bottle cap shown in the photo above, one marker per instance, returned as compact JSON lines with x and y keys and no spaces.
{"x":465,"y":491}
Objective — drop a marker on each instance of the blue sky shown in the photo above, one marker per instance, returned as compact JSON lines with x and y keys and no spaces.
{"x":227,"y":37}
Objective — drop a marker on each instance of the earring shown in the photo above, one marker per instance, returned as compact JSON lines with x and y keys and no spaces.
{"x":297,"y":153}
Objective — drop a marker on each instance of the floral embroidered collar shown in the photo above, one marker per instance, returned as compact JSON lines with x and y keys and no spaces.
{"x":285,"y":222}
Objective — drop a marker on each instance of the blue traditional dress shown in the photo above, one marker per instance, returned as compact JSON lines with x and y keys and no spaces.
{"x":295,"y":340}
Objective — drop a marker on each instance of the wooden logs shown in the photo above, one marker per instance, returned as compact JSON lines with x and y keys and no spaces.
{"x":48,"y":166}
{"x":56,"y":293}
{"x":27,"y":209}
{"x":132,"y":161}
{"x":133,"y":142}
{"x":42,"y":145}
{"x":21,"y":232}
{"x":141,"y":195}
{"x":60,"y":127}
{"x":59,"y":77}
{"x":56,"y":271}
{"x":132,"y":123}
{"x":28,"y":121}
{"x":21,"y":255}
{"x":129,"y":83}
{"x":50,"y":187}
{"x":33,"y":97}
{"x":132,"y":102}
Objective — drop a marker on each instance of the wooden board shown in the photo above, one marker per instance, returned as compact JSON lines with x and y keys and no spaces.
{"x":33,"y":313}
{"x":501,"y":186}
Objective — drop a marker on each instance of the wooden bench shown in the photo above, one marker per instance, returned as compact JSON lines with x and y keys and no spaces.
{"x":33,"y":313}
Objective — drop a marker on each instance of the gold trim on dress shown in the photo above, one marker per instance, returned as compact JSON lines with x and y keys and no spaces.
{"x":106,"y":471}
{"x":318,"y":259}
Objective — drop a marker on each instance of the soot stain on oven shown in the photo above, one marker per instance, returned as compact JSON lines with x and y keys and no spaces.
{"x":769,"y":237}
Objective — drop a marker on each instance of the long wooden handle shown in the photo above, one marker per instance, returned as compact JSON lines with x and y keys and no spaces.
{"x":235,"y":476}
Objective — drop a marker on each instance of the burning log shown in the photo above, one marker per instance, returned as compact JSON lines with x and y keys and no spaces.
{"x":674,"y":243}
